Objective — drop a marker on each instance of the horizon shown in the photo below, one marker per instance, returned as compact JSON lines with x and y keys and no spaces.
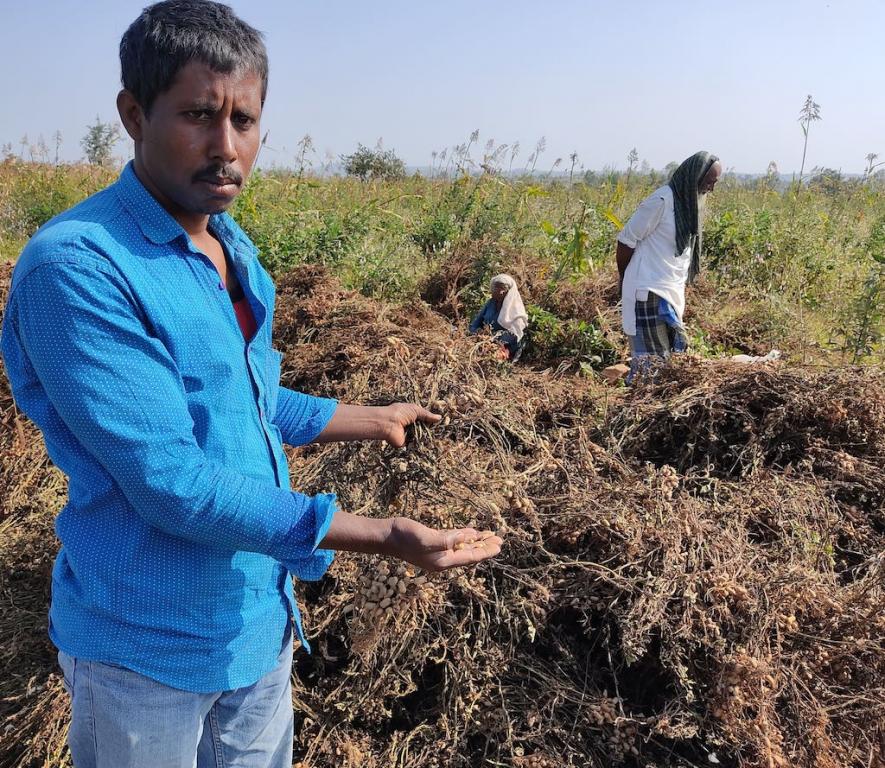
{"x":587,"y":77}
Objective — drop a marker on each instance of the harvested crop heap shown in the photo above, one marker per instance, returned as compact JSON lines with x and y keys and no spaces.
{"x":692,"y":571}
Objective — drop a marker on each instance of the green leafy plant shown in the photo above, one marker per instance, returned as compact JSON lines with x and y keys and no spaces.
{"x":864,"y":324}
{"x":551,"y":338}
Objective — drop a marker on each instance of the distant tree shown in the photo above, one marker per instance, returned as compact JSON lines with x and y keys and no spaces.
{"x":872,"y":165}
{"x":376,"y":163}
{"x":807,"y":115}
{"x":98,"y":143}
{"x":632,"y":159}
{"x":39,"y":151}
{"x":828,"y":180}
{"x":669,"y":168}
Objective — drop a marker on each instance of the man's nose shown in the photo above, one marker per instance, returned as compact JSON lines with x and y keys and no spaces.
{"x":223,"y":146}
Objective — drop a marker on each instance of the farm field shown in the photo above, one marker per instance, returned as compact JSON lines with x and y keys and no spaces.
{"x":693,"y":569}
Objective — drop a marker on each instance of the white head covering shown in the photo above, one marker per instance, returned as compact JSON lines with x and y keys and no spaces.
{"x":512,"y":314}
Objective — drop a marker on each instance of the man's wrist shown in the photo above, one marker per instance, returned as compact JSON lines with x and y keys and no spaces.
{"x":370,"y":422}
{"x":391,"y":540}
{"x":355,"y":533}
{"x":380,"y":421}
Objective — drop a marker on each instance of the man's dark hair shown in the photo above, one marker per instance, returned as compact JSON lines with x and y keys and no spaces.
{"x":167,"y":35}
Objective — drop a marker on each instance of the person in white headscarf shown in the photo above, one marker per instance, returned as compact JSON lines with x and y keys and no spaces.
{"x":505,"y":314}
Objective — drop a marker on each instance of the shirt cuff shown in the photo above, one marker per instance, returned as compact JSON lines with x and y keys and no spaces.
{"x":301,"y":418}
{"x":315,"y":562}
{"x":323,"y":411}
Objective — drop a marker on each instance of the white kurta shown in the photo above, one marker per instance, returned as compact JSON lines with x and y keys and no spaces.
{"x":655,"y":266}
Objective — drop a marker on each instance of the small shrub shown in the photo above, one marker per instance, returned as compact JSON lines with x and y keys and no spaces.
{"x":436,"y":233}
{"x":551,"y":339}
{"x":373,"y":164}
{"x":99,"y":141}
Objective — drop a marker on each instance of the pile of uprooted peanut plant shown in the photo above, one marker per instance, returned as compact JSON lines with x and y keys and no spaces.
{"x":692,"y":574}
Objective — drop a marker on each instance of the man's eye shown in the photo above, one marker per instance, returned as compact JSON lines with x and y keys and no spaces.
{"x":244,"y":121}
{"x":200,"y":114}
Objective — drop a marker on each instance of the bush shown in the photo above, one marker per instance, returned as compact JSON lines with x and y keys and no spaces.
{"x":327,"y":240}
{"x":551,"y":339}
{"x":436,"y":233}
{"x":373,"y":164}
{"x":98,"y":142}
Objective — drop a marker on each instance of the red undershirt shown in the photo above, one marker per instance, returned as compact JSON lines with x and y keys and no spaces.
{"x":245,"y":318}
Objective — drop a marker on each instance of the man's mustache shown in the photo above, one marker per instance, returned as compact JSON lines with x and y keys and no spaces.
{"x":219,"y":175}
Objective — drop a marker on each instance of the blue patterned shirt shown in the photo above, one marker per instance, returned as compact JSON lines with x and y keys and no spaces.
{"x":181,"y":529}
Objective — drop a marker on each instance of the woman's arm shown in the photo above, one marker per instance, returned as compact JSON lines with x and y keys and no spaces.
{"x":480,"y":318}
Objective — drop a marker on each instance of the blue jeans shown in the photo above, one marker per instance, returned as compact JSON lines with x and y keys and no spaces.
{"x":121,"y":719}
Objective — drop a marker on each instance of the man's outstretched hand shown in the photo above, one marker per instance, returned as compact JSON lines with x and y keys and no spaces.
{"x":374,"y":422}
{"x":398,"y":416}
{"x":409,"y":540}
{"x":438,"y":550}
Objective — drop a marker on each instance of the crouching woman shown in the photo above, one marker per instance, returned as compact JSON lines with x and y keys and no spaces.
{"x":505,"y":314}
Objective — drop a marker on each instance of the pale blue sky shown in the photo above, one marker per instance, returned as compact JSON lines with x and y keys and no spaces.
{"x":599,"y":78}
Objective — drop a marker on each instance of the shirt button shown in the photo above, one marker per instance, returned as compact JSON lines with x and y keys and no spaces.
{"x":220,"y":286}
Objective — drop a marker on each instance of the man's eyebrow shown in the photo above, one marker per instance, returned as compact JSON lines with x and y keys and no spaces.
{"x":201,"y":102}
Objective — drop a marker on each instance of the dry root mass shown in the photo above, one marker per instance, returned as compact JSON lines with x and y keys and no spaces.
{"x":693,"y":569}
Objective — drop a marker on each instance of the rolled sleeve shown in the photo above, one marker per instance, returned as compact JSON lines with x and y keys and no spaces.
{"x":309,"y":563}
{"x":643,"y":222}
{"x":300,"y":418}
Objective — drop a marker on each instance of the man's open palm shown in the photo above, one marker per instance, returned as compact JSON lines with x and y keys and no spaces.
{"x":438,"y":550}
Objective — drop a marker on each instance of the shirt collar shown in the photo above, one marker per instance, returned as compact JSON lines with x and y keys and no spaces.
{"x":155,"y":222}
{"x":227,"y":230}
{"x":158,"y":225}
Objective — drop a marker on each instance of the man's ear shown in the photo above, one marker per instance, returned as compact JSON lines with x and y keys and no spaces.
{"x":131,"y":114}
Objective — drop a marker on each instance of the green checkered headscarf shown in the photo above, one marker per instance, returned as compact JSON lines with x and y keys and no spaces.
{"x":684,"y":183}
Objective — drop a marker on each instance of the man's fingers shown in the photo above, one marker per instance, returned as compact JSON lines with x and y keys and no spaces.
{"x":465,"y":546}
{"x":426,"y":416}
{"x":397,"y":440}
{"x":482,"y":544}
{"x":470,"y":555}
{"x":457,"y":539}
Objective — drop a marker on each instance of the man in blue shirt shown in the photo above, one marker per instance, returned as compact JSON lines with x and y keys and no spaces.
{"x":172,"y":600}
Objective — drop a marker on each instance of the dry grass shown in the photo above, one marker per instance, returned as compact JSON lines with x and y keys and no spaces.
{"x":691,"y":567}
